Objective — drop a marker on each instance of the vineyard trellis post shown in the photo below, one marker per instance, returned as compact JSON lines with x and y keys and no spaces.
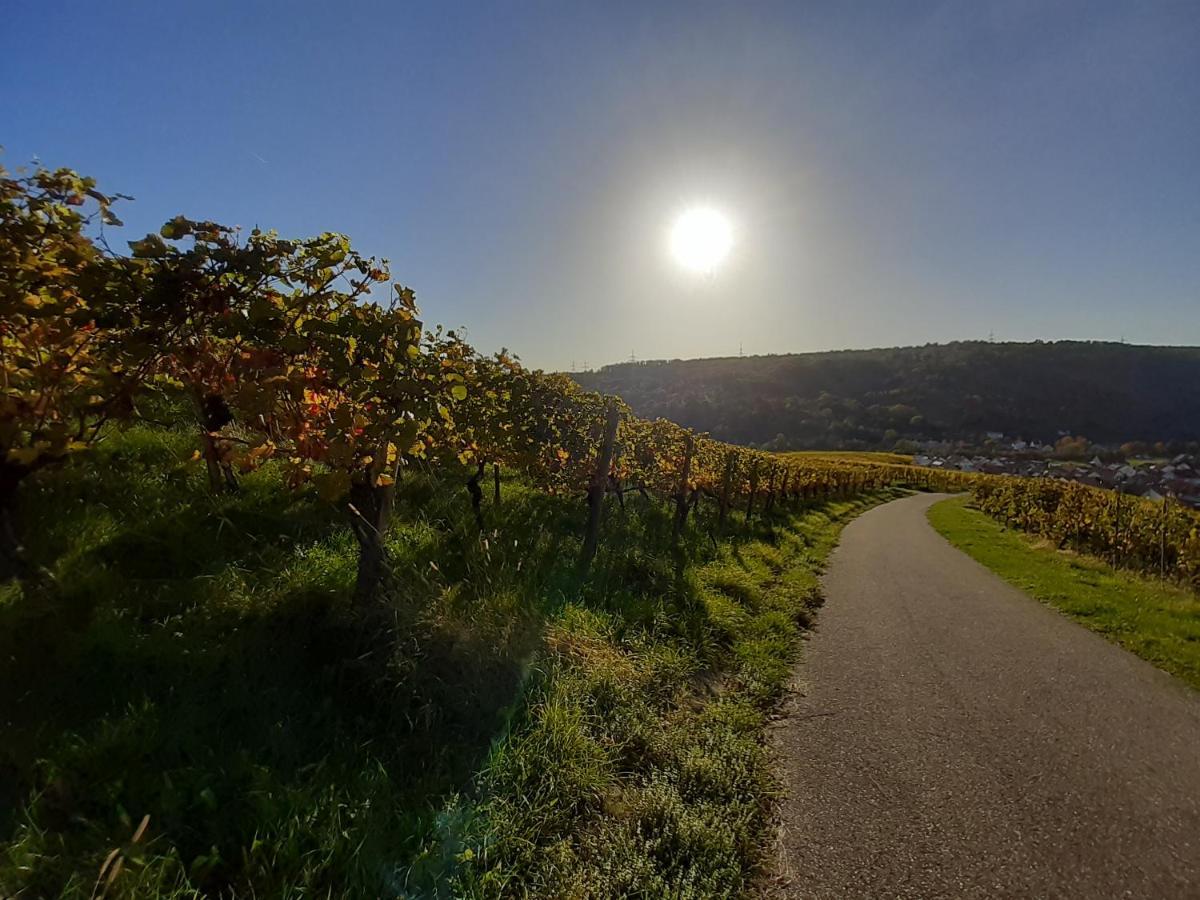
{"x":1164,"y":521}
{"x":496,"y":480}
{"x":598,"y":486}
{"x":476,"y":493}
{"x":681,"y":497}
{"x":726,"y":486}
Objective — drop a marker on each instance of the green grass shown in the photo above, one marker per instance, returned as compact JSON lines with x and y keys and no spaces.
{"x":1159,"y":622}
{"x":638,"y":768}
{"x":199,"y":663}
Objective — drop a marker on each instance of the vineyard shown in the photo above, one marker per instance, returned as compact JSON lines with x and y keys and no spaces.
{"x":281,"y":350}
{"x":1161,"y":539}
{"x":304,"y":598}
{"x":282,"y":564}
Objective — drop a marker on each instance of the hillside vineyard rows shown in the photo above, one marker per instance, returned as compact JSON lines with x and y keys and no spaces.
{"x":278,"y":349}
{"x":266,"y":347}
{"x":1152,"y":538}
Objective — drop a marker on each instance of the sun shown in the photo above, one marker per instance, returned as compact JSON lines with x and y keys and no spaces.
{"x":701,"y":239}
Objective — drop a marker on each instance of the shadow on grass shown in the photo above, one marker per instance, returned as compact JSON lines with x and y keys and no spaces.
{"x":199,"y":662}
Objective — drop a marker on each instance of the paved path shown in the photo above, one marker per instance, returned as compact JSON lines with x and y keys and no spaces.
{"x":954,"y":738}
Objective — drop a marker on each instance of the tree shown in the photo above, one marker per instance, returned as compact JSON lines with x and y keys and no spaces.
{"x":1071,"y":447}
{"x":69,"y":361}
{"x":1131,"y":449}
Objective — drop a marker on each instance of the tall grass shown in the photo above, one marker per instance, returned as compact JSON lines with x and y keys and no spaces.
{"x":196,"y":660}
{"x":638,"y":767}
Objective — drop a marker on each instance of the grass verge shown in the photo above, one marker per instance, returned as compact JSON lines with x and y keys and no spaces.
{"x":638,"y":767}
{"x":1159,"y":622}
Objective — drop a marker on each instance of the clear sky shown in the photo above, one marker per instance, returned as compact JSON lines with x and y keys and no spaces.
{"x":894,"y":172}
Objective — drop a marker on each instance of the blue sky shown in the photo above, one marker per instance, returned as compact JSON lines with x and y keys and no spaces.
{"x":896,"y":173}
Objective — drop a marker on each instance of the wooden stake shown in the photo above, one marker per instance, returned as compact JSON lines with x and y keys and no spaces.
{"x":726,"y":485}
{"x":598,"y":486}
{"x":681,"y":497}
{"x":476,"y":493}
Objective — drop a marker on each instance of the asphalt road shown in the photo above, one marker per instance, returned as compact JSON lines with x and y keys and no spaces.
{"x":952,"y":737}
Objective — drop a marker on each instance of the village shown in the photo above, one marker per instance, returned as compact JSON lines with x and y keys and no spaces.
{"x":1153,"y":479}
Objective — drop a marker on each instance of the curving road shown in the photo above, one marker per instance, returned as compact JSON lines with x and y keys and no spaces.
{"x":952,"y":737}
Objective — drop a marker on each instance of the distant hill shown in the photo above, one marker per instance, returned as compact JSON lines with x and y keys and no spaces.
{"x":871,"y":399}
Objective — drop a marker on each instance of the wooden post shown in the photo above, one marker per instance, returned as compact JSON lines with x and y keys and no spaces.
{"x":1162,"y":538}
{"x":681,"y":498}
{"x":753,"y":488}
{"x":770,"y":502}
{"x":598,"y":486}
{"x":726,"y":486}
{"x":476,"y":493}
{"x":496,"y":479}
{"x":783,"y":488}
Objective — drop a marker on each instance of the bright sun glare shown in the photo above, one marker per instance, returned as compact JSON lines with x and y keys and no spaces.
{"x":701,"y":239}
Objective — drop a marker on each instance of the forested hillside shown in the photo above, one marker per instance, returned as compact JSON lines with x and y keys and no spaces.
{"x":871,"y":398}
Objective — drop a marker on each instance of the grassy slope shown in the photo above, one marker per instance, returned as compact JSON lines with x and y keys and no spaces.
{"x":533,"y":734}
{"x":1158,"y":622}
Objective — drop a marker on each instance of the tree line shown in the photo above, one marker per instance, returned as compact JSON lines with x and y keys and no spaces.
{"x":893,"y":398}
